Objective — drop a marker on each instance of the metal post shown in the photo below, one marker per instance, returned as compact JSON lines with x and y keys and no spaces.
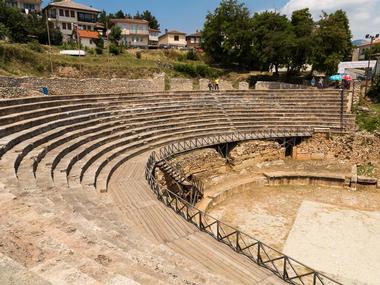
{"x":368,"y":67}
{"x":341,"y":108}
{"x":48,"y":34}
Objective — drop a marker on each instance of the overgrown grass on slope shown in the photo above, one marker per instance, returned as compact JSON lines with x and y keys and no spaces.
{"x":369,"y":120}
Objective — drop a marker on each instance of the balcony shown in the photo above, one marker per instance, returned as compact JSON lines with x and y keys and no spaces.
{"x":153,"y":38}
{"x":86,"y":17}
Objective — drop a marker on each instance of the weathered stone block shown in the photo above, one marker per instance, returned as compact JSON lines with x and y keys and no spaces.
{"x":243,"y":85}
{"x":225,"y":85}
{"x":317,"y":156}
{"x":203,"y":84}
{"x":181,"y":84}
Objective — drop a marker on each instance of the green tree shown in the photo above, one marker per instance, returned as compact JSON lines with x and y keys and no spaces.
{"x":115,"y":35}
{"x":374,"y":91}
{"x":22,"y":28}
{"x":147,"y":15}
{"x":303,"y":27}
{"x":274,"y":39}
{"x":227,"y":34}
{"x":4,"y":32}
{"x":332,"y":42}
{"x":119,"y":14}
{"x":375,"y":49}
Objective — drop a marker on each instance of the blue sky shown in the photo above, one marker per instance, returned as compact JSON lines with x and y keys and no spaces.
{"x":183,"y":15}
{"x":189,"y":15}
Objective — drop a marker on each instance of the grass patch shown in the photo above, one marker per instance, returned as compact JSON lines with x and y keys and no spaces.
{"x":366,"y":170}
{"x":368,"y":120}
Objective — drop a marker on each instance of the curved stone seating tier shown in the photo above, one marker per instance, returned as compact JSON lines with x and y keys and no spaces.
{"x":54,"y":143}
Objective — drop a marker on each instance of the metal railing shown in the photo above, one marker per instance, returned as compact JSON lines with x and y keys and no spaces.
{"x":283,"y":266}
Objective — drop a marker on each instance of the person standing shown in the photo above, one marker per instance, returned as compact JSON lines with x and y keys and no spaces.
{"x":312,"y":82}
{"x":321,"y":83}
{"x":210,"y":85}
{"x":216,"y":83}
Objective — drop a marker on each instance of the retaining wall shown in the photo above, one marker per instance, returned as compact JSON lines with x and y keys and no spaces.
{"x":28,"y":86}
{"x":267,"y":85}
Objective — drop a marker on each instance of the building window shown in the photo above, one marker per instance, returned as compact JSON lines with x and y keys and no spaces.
{"x":72,"y":14}
{"x":53,"y":13}
{"x":192,"y":40}
{"x":176,"y":38}
{"x":69,"y":26}
{"x":64,"y":26}
{"x":61,"y":12}
{"x":29,"y":6}
{"x":86,"y":17}
{"x":67,"y":13}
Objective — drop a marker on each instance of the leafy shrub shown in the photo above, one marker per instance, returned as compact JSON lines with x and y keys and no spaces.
{"x":181,"y":57}
{"x":191,"y":55}
{"x":196,"y":70}
{"x":99,"y":50}
{"x":114,"y":49}
{"x":172,"y":53}
{"x":35,"y":46}
{"x":374,"y":92}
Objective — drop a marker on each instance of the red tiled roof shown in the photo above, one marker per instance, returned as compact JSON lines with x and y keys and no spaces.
{"x":88,"y":34}
{"x":154,"y":30}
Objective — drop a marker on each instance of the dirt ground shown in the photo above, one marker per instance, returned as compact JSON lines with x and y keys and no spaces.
{"x":339,"y":241}
{"x":269,"y":212}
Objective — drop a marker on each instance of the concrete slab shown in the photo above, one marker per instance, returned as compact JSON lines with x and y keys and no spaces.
{"x":339,"y":241}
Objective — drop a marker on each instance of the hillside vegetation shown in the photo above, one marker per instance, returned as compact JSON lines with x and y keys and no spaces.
{"x":32,"y":59}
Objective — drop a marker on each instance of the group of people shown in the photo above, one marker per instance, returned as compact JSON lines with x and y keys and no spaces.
{"x":345,"y":84}
{"x":320,"y":83}
{"x":213,"y":85}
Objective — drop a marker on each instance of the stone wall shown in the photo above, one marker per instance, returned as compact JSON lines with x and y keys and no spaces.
{"x":198,"y":161}
{"x":64,"y":86}
{"x":256,"y":151}
{"x":12,"y":92}
{"x":243,"y":85}
{"x":359,"y":148}
{"x":225,"y":85}
{"x":181,"y":84}
{"x":203,"y":84}
{"x":29,"y":86}
{"x":267,"y":85}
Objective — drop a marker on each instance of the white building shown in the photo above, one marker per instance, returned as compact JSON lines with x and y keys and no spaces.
{"x":30,"y":6}
{"x":173,"y":39}
{"x":135,"y":32}
{"x":67,"y":15}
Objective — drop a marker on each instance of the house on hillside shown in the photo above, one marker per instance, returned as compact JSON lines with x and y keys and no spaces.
{"x":88,"y":38}
{"x":135,"y":32}
{"x":358,"y":53}
{"x":68,"y":15}
{"x":172,"y":39}
{"x":153,"y":38}
{"x":26,"y":6}
{"x":194,"y":40}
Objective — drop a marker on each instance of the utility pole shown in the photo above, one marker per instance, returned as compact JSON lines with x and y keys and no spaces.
{"x":372,"y":38}
{"x":48,"y":34}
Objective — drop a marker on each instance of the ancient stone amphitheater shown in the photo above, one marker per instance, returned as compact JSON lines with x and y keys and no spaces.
{"x":79,"y":200}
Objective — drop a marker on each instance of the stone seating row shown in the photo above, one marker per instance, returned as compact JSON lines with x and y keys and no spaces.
{"x":37,"y":132}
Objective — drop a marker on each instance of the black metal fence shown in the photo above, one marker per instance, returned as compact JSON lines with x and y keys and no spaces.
{"x":281,"y":265}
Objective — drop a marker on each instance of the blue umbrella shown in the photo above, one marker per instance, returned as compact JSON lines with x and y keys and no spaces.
{"x":336,"y":77}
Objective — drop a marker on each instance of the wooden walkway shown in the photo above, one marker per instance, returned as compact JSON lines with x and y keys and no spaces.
{"x":161,"y":225}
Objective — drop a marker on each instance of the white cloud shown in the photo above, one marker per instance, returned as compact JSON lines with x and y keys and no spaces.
{"x":363,"y":14}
